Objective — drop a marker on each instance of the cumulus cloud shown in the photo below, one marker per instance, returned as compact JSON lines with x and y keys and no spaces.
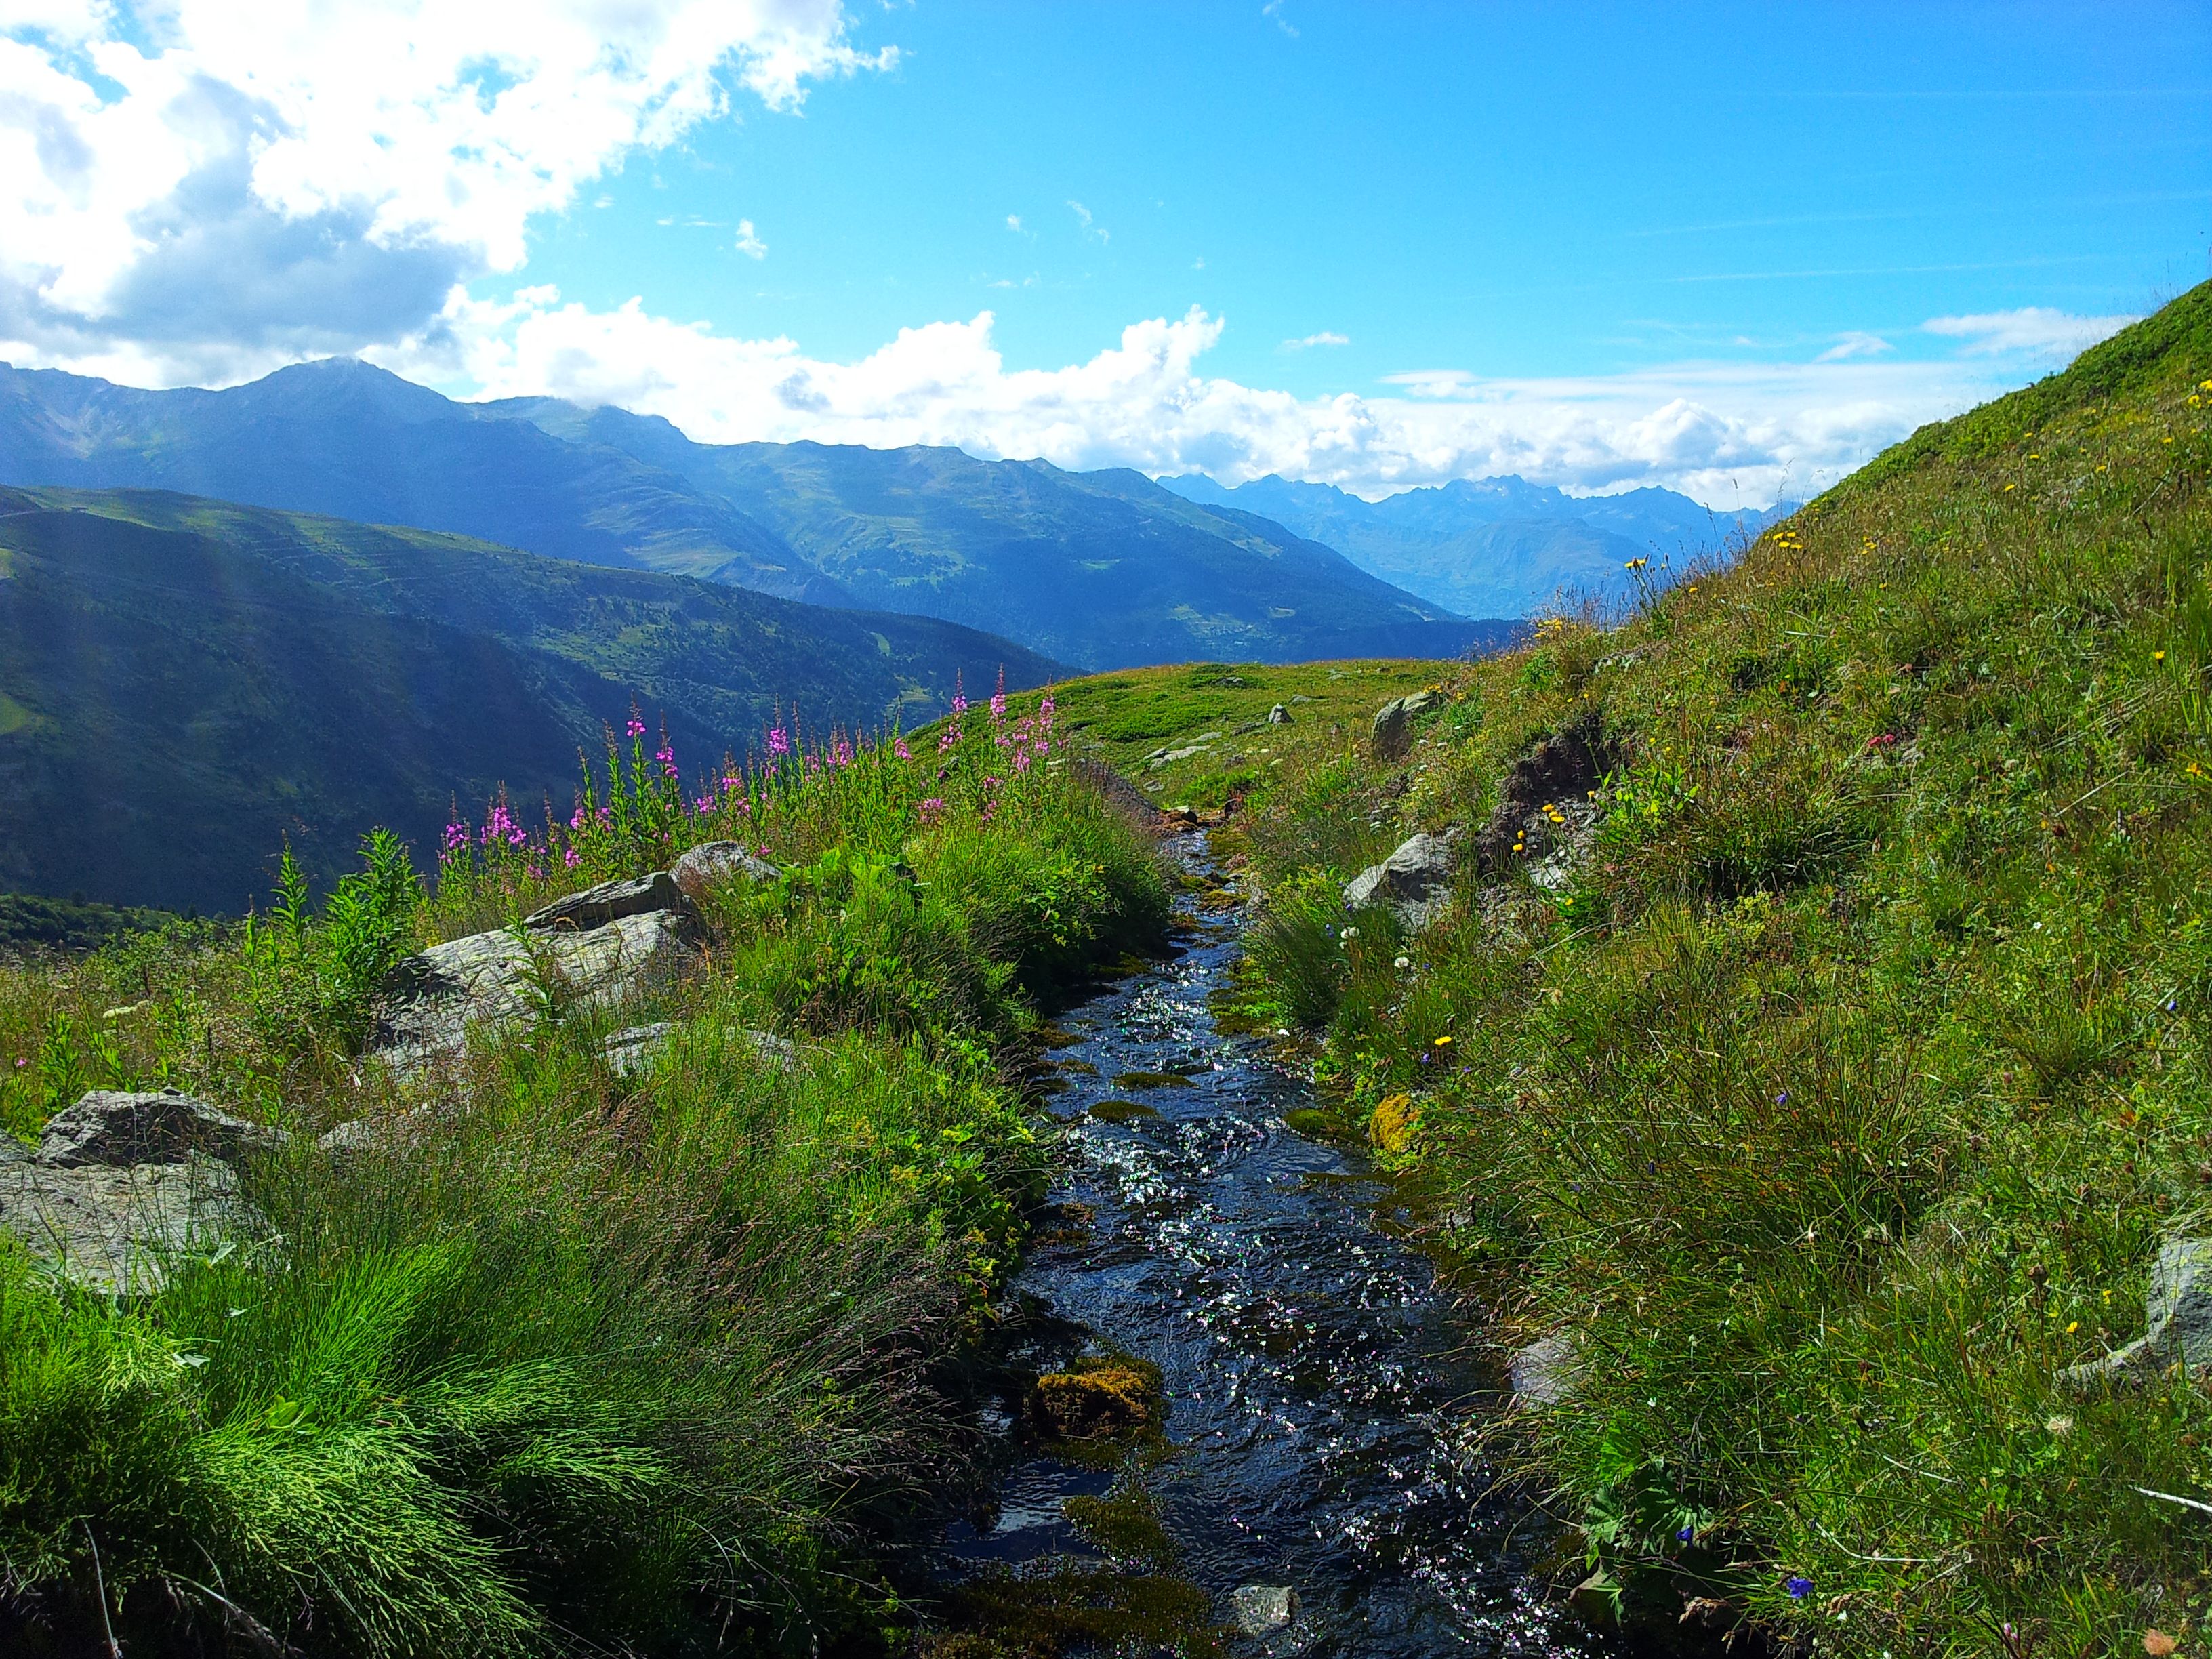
{"x":1324,"y":338}
{"x":749,"y":244}
{"x":198,"y":190}
{"x":2034,"y":331}
{"x":1014,"y":223}
{"x":1731,"y":435}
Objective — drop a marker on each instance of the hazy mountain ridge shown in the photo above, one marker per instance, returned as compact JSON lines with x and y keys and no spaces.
{"x":184,"y":683}
{"x":1494,"y":546}
{"x":1094,"y":570}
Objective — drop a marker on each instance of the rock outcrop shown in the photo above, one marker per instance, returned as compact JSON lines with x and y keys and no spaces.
{"x":1543,"y":800}
{"x":597,"y":948}
{"x":1393,"y":730}
{"x":1413,"y":883}
{"x":716,"y":864}
{"x":122,"y":1183}
{"x":2177,"y":1324}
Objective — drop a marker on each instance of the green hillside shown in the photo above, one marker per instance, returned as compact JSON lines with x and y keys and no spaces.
{"x":1838,"y":1090}
{"x":184,"y":684}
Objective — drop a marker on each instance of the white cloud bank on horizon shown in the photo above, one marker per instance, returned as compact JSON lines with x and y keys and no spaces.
{"x":201,"y":190}
{"x":197,"y":191}
{"x":1728,"y":434}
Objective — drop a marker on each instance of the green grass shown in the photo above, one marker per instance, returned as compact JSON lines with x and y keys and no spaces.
{"x":577,"y":1361}
{"x":1840,"y":1098}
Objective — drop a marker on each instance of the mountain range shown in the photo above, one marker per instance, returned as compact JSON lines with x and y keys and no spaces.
{"x":1096,"y":571}
{"x":185,"y":684}
{"x":1497,"y":547}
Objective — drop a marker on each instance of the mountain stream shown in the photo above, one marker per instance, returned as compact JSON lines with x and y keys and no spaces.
{"x":1321,"y":1402}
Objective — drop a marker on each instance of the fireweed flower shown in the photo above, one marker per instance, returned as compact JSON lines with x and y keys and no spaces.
{"x":636,"y":726}
{"x":1021,"y":760}
{"x":899,"y":748}
{"x":571,"y":858}
{"x":779,"y":741}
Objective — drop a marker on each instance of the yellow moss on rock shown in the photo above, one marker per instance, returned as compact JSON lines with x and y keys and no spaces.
{"x":1393,"y":1124}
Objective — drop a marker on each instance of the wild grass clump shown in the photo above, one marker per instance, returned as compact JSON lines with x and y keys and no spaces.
{"x":549,"y":1357}
{"x":1837,"y":1100}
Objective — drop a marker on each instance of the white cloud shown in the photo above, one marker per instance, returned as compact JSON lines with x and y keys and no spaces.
{"x":1728,"y":434}
{"x":1324,"y":338}
{"x":1855,"y":344}
{"x":749,"y":244}
{"x":2035,"y":331}
{"x":1014,"y":223}
{"x":201,"y":189}
{"x":1084,"y":221}
{"x":1272,"y":11}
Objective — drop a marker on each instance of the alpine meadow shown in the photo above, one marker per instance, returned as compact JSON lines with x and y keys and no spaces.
{"x":1281,"y":830}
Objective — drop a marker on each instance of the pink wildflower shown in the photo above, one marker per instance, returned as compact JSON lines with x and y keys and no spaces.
{"x":779,"y":741}
{"x":636,"y":726}
{"x":899,"y":748}
{"x":572,"y":858}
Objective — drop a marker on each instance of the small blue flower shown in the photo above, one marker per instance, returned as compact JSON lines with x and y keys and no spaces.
{"x":1782,"y":1099}
{"x":1684,"y":1533}
{"x":1799,"y":1589}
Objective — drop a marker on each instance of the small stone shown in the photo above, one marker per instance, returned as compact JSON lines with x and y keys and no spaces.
{"x":115,"y":1128}
{"x":1278,"y":715}
{"x":1543,"y":1373}
{"x":716,"y":863}
{"x":1259,"y":1609}
{"x":1393,"y":729}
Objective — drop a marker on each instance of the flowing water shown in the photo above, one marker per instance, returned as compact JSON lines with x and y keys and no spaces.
{"x":1321,"y":1401}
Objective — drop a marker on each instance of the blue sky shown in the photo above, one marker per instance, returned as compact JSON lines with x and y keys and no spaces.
{"x":1733,"y":249}
{"x":1519,"y":190}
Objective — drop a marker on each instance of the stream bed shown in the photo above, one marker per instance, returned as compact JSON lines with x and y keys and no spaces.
{"x":1322,"y":1403}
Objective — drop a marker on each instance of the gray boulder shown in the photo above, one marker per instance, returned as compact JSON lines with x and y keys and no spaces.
{"x":1414,"y":883}
{"x":1261,"y":1609}
{"x":111,"y":1127}
{"x":611,"y":901}
{"x":123,"y":1182}
{"x":1393,"y":730}
{"x":500,"y":981}
{"x":715,"y":863}
{"x":1278,"y":715}
{"x":2177,"y":1324}
{"x":115,"y":1229}
{"x":1543,"y":1373}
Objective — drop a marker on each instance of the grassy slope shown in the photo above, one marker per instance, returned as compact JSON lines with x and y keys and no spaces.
{"x":579,"y":1362}
{"x":1842,"y":1097}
